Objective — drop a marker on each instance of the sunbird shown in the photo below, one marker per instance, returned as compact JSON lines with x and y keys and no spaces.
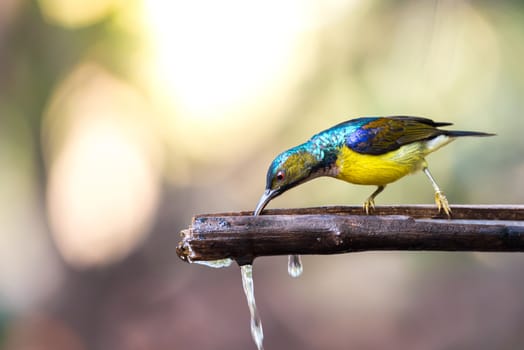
{"x":366,"y":151}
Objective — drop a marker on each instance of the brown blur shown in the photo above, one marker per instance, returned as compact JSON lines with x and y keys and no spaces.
{"x":120,"y":120}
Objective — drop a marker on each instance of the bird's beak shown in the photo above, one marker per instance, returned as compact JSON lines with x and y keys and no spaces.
{"x":264,"y":200}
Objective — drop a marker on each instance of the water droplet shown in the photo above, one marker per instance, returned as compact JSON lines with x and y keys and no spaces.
{"x":217,"y":264}
{"x":256,"y":323}
{"x":294,"y":266}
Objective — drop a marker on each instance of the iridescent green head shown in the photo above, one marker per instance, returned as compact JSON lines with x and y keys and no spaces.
{"x":289,"y":169}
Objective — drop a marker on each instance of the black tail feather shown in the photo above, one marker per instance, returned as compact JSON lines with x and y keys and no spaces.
{"x":457,"y":133}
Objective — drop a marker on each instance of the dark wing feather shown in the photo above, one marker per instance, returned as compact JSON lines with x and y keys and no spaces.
{"x":420,"y":120}
{"x":387,"y":134}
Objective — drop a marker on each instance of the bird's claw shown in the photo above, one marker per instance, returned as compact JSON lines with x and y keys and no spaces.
{"x":369,"y":205}
{"x":442,"y":203}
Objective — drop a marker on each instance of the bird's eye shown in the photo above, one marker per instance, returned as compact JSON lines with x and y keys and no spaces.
{"x":280,"y":175}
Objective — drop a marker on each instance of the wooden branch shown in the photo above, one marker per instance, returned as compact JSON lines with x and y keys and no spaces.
{"x":333,"y":230}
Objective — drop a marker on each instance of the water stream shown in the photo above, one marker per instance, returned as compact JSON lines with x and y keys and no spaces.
{"x":256,"y":323}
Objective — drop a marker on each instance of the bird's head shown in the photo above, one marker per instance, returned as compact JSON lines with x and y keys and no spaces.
{"x":289,"y":169}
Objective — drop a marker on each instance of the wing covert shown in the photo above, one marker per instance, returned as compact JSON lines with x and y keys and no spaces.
{"x":387,"y":134}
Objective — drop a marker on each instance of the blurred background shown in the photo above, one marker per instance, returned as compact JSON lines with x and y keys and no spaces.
{"x":120,"y":120}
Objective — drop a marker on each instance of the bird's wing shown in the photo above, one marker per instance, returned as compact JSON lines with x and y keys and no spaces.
{"x":387,"y":134}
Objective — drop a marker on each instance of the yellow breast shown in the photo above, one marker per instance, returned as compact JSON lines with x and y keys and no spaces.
{"x":381,"y":169}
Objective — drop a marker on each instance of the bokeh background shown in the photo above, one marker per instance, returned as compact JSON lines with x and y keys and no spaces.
{"x":120,"y":120}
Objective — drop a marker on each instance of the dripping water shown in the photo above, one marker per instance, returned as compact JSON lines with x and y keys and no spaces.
{"x":217,"y":264}
{"x":256,"y":323}
{"x":294,"y":265}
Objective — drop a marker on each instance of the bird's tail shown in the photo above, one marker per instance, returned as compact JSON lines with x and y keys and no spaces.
{"x":457,"y":133}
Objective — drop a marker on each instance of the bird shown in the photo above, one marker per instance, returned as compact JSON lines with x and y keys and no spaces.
{"x":365,"y":151}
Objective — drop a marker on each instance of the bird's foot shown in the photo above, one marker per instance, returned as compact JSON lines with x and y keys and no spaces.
{"x":442,"y":203}
{"x":369,"y":205}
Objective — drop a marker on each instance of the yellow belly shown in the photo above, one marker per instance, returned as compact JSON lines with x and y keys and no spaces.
{"x":381,"y":169}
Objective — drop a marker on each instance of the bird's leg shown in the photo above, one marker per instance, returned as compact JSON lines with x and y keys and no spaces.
{"x":369,"y":204}
{"x":440,"y":198}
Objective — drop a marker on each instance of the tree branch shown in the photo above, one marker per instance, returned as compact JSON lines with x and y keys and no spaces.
{"x":333,"y":230}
